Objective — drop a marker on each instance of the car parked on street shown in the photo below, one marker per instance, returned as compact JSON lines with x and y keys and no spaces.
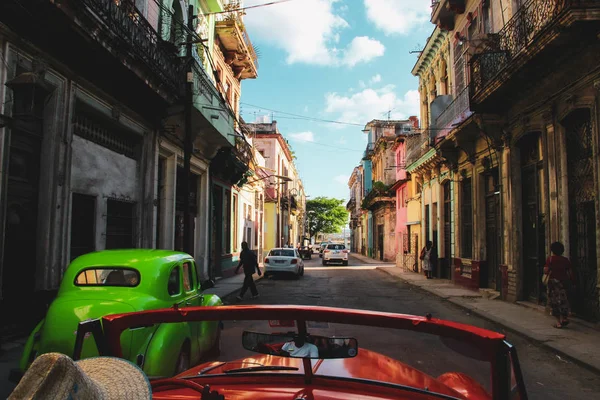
{"x":116,"y":281}
{"x":283,"y":260}
{"x":335,"y":253}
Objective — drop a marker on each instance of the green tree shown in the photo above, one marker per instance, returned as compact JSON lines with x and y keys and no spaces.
{"x":325,"y":215}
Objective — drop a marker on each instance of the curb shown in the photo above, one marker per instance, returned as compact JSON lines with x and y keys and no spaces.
{"x":505,"y":325}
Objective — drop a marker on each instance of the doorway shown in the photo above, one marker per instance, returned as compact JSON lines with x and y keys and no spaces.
{"x":216,"y":237}
{"x":492,"y":229}
{"x":22,"y":188}
{"x":582,"y":212}
{"x":380,"y":234}
{"x":446,"y":260}
{"x":533,"y":218}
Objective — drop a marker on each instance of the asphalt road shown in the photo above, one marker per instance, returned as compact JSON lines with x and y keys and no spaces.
{"x":361,"y":286}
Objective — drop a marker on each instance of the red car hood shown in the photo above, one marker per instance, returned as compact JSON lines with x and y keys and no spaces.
{"x":367,"y":365}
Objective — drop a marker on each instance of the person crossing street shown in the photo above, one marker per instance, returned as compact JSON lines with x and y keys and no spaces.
{"x":250,"y":263}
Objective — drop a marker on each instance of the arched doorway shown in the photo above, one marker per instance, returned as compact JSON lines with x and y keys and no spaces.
{"x":533,"y":217}
{"x":582,"y":211}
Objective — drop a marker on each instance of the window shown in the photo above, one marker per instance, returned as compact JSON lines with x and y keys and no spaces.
{"x":108,"y":276}
{"x":336,"y":247}
{"x":83,"y":222}
{"x":466,"y":216}
{"x":250,"y":212}
{"x":174,"y":285}
{"x":282,"y":253}
{"x":120,"y":221}
{"x":188,"y":277}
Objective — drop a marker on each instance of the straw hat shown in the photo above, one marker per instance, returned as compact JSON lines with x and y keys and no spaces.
{"x":55,"y":376}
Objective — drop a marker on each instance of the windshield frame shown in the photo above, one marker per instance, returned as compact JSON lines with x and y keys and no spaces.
{"x":497,"y":351}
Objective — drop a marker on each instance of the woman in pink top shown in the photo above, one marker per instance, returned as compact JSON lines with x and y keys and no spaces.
{"x":561,"y":278}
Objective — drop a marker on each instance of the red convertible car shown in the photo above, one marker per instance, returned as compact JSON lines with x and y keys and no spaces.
{"x":318,"y":353}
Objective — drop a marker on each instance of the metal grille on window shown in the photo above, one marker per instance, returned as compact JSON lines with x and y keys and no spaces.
{"x":120,"y":224}
{"x":95,"y":130}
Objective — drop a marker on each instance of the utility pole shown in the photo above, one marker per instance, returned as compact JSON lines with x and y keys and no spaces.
{"x":188,"y":146}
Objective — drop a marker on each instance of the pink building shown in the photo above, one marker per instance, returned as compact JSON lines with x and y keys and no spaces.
{"x":402,"y":233}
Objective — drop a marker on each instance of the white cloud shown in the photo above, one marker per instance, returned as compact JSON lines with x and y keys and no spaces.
{"x":369,"y":104}
{"x":303,"y":136}
{"x":398,"y":16}
{"x":362,"y":84}
{"x":342,"y":179}
{"x":375,"y":79}
{"x":303,"y":29}
{"x":309,"y":32}
{"x":362,"y":49}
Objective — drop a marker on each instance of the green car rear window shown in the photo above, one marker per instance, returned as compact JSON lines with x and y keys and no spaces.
{"x":108,"y":276}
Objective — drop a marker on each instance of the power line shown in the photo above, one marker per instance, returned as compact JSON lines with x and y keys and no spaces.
{"x":298,"y":116}
{"x":249,"y":7}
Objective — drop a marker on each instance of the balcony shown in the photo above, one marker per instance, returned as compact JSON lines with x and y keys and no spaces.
{"x":443,"y":12}
{"x":351,"y":204}
{"x":237,"y":48}
{"x":456,"y":112}
{"x":369,"y":151}
{"x":133,"y":33}
{"x":527,"y":45}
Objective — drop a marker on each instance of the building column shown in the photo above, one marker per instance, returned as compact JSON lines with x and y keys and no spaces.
{"x":167,"y":216}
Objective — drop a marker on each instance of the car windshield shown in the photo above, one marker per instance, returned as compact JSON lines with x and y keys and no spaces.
{"x":336,"y":247}
{"x":108,"y":276}
{"x":418,"y":354}
{"x":282,"y":253}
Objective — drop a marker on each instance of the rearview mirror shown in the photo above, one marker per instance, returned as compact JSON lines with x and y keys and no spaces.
{"x":300,"y":346}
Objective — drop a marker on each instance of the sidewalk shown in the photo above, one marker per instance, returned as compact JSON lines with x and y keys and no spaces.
{"x":579,"y":342}
{"x":369,"y":260}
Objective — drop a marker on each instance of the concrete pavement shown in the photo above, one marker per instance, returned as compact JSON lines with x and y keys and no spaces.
{"x":578,"y":342}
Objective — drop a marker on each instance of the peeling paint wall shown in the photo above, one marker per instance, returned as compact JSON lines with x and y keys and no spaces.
{"x":100,"y":172}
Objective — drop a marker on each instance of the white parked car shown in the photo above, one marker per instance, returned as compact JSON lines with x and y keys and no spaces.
{"x":315,"y":248}
{"x":284,"y":260}
{"x":335,"y":253}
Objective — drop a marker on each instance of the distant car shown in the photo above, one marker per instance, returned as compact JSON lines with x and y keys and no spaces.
{"x":322,"y":247}
{"x":305,"y":252}
{"x":316,"y":248}
{"x":116,"y":281}
{"x":283,"y":260}
{"x":335,"y":253}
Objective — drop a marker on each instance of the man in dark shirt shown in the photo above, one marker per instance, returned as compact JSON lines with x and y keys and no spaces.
{"x":250,"y":263}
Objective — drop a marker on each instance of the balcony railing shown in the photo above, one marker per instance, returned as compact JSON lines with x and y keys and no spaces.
{"x":532,"y":20}
{"x":369,"y":151}
{"x":243,"y":150}
{"x":125,"y":20}
{"x":455,"y":113}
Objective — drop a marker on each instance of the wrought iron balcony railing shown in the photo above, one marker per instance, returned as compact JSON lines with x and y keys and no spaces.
{"x":455,"y":113}
{"x":532,"y":20}
{"x":125,"y":20}
{"x":243,"y":150}
{"x":369,"y":151}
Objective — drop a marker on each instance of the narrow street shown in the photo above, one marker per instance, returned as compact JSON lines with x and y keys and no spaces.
{"x":361,"y":286}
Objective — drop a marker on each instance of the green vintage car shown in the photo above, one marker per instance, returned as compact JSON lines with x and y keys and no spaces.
{"x":118,"y":281}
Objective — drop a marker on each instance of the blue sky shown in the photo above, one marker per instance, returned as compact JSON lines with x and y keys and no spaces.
{"x":342,"y":60}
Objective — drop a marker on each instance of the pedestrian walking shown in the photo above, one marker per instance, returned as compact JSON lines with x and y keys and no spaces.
{"x":559,"y":278}
{"x":250,"y":263}
{"x":428,"y":257}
